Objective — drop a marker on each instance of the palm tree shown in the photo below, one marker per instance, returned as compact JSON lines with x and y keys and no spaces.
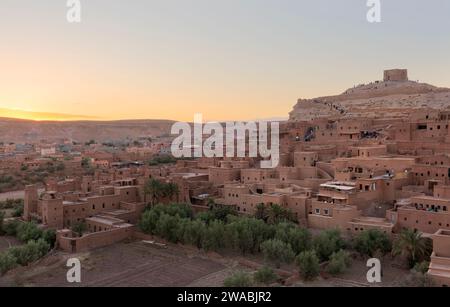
{"x":155,"y":189}
{"x":170,"y":189}
{"x":261,"y":212}
{"x":276,"y":214}
{"x":412,"y":245}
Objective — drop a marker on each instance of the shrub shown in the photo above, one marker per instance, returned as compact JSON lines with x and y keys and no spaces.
{"x":214,"y":234}
{"x":79,"y":228}
{"x":18,"y":211}
{"x":10,"y":228}
{"x":339,"y":262}
{"x":148,"y":221}
{"x":308,"y":264}
{"x":328,"y":242}
{"x":238,"y":279}
{"x":194,"y":233}
{"x":422,"y":267}
{"x":277,"y":251}
{"x":298,"y":238}
{"x":30,"y":252}
{"x":167,"y":227}
{"x":7,"y":262}
{"x":368,"y":242}
{"x":265,"y":275}
{"x":28,"y":231}
{"x":49,"y":236}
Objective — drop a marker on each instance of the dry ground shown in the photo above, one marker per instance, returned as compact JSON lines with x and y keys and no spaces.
{"x":7,"y":242}
{"x":125,"y":264}
{"x":140,"y":264}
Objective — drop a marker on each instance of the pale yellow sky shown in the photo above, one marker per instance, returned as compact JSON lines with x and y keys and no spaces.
{"x":229,"y":60}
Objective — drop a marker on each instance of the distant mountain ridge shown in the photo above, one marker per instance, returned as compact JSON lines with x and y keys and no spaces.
{"x":23,"y":130}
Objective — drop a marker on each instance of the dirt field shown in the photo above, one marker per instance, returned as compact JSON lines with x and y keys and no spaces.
{"x":126,"y":264}
{"x":136,"y":264}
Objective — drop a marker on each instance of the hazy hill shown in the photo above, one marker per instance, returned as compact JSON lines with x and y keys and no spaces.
{"x":19,"y":130}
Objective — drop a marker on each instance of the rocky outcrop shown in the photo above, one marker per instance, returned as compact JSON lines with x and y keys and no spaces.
{"x":396,"y":98}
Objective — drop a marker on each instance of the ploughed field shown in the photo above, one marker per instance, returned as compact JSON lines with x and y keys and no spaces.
{"x":125,"y":264}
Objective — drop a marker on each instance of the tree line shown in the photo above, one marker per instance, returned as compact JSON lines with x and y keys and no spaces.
{"x":279,"y":239}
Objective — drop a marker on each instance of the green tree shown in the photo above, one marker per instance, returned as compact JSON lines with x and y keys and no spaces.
{"x":49,"y":235}
{"x":339,"y":262}
{"x":277,"y":214}
{"x":170,"y":190}
{"x":277,"y":252}
{"x":79,"y":228}
{"x":30,"y":252}
{"x":214,"y":233}
{"x":308,"y":264}
{"x":194,"y":233}
{"x":261,"y":212}
{"x":167,"y":227}
{"x":247,"y":234}
{"x":299,"y":238}
{"x":223,"y":212}
{"x":28,"y":231}
{"x":148,"y":221}
{"x":368,"y":242}
{"x":155,"y":189}
{"x":238,"y":279}
{"x":412,"y":245}
{"x":265,"y":275}
{"x":328,"y":242}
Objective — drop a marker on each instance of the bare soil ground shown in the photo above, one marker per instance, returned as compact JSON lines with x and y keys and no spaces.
{"x":131,"y":264}
{"x":7,"y":242}
{"x":135,"y":264}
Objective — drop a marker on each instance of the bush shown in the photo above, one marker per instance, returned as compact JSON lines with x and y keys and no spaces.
{"x":265,"y":275}
{"x":247,"y":234}
{"x":167,"y":227}
{"x":368,"y":242}
{"x":7,"y":262}
{"x":18,"y":211}
{"x":339,"y":262}
{"x":299,"y":238}
{"x":238,"y":279}
{"x":28,"y":231}
{"x":79,"y":228}
{"x":422,"y":267}
{"x":49,"y":236}
{"x":30,"y":252}
{"x":328,"y":242}
{"x":308,"y":264}
{"x":148,"y":221}
{"x":10,"y":228}
{"x":213,"y":237}
{"x":194,"y":232}
{"x":277,"y":251}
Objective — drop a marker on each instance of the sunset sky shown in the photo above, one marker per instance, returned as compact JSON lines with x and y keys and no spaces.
{"x":227,"y":59}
